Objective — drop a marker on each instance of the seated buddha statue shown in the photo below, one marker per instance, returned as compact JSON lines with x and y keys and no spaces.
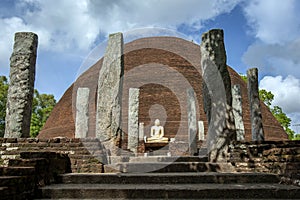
{"x":157,"y":133}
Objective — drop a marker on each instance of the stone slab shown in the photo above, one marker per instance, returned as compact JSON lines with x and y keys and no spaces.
{"x":255,"y":109}
{"x":82,"y":113}
{"x":141,"y":131}
{"x":238,"y":112}
{"x":201,"y":134}
{"x":133,"y":119}
{"x":174,"y":191}
{"x":109,"y":94}
{"x":217,"y":97}
{"x":192,"y":121}
{"x":171,"y":178}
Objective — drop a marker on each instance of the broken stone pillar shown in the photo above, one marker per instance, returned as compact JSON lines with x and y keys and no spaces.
{"x":82,"y":113}
{"x":141,"y":131}
{"x":238,"y":112}
{"x":201,"y":130}
{"x":217,"y":96}
{"x":133,"y":119}
{"x":21,"y":88}
{"x":109,"y":96}
{"x":192,"y":121}
{"x":255,"y":111}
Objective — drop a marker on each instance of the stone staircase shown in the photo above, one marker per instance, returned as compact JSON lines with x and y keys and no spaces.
{"x":86,"y":155}
{"x":17,"y":182}
{"x":170,"y":178}
{"x":129,"y":176}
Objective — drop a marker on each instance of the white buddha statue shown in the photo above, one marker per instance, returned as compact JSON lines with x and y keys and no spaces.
{"x":157,"y":133}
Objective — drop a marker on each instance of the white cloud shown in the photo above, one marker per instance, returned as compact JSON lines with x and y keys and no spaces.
{"x":275,"y":59}
{"x":74,"y":26}
{"x":286,"y":95}
{"x":273,"y":21}
{"x":67,"y":27}
{"x":10,"y":26}
{"x":276,"y":27}
{"x":167,"y":13}
{"x":286,"y":92}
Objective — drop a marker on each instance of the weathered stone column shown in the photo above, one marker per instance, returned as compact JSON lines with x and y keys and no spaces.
{"x":255,"y":111}
{"x":238,"y":112}
{"x":133,"y":119}
{"x":82,"y":113}
{"x":108,"y":116}
{"x":21,"y":88}
{"x":141,"y":131}
{"x":192,"y":121}
{"x":217,"y":96}
{"x":201,"y":130}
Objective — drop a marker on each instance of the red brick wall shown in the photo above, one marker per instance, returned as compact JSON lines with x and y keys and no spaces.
{"x":163,"y":68}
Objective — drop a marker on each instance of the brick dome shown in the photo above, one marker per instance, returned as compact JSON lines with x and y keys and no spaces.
{"x":163,"y":68}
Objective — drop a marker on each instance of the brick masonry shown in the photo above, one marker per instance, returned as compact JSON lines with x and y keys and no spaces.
{"x":86,"y":155}
{"x":281,"y":157}
{"x":24,"y":175}
{"x":184,"y":59}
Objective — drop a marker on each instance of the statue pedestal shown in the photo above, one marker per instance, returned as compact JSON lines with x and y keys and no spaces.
{"x":179,"y":148}
{"x":154,"y":146}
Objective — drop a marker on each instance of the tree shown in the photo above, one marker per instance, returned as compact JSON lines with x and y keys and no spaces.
{"x":42,"y":106}
{"x":284,"y":120}
{"x":244,"y":77}
{"x":266,"y":96}
{"x":296,"y":137}
{"x":3,"y":99}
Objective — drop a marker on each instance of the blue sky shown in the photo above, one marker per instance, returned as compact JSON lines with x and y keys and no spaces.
{"x":258,"y":33}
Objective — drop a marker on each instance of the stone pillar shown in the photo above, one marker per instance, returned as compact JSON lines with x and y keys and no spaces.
{"x":217,"y":96}
{"x":108,"y":116}
{"x":201,"y":130}
{"x":192,"y":121}
{"x":255,"y":111}
{"x":82,"y":113}
{"x":21,"y":88}
{"x":238,"y":112}
{"x":133,"y":119}
{"x":141,"y":131}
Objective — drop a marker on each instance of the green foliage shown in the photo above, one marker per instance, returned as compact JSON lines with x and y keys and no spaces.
{"x":296,"y":137}
{"x":284,"y":120}
{"x":42,"y":106}
{"x":3,"y":99}
{"x":267,"y":97}
{"x":244,"y":77}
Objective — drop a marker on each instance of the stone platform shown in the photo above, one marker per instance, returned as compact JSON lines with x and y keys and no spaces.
{"x":170,"y":186}
{"x":26,"y":166}
{"x":86,"y":155}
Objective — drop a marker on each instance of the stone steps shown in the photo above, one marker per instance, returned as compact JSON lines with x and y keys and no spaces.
{"x":16,"y":171}
{"x":163,"y":167}
{"x":169,"y":186}
{"x":23,"y":176}
{"x":167,"y":178}
{"x":85,"y":154}
{"x":17,"y":186}
{"x":175,"y":191}
{"x":7,"y":181}
{"x":149,"y":159}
